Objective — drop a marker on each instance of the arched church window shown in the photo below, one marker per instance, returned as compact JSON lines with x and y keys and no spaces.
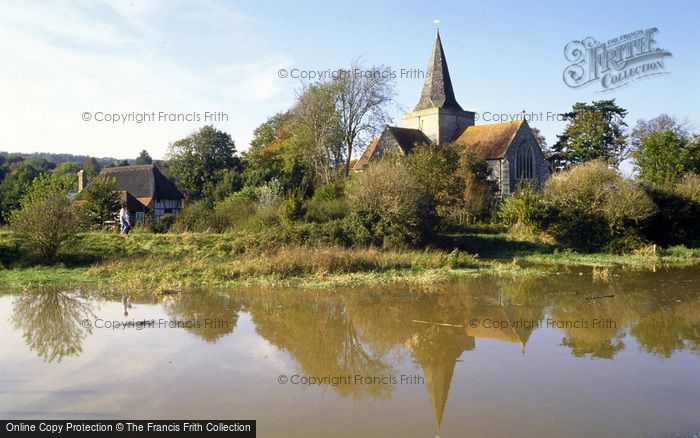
{"x":524,"y":162}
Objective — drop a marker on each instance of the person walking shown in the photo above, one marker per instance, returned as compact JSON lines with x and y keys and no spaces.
{"x":124,"y":222}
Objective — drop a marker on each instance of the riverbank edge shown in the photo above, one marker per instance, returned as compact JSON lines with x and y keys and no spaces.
{"x":156,"y":262}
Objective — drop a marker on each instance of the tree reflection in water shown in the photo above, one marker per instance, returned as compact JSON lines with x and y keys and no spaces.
{"x":367,"y":332}
{"x":322,"y":337}
{"x":356,"y":332}
{"x":52,"y":322}
{"x":211,"y":314}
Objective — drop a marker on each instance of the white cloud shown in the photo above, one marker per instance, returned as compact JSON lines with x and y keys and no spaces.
{"x":64,"y":60}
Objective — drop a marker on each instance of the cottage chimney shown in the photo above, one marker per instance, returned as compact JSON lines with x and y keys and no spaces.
{"x":81,"y":181}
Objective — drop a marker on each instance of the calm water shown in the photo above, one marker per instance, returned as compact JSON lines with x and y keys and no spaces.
{"x":477,"y":357}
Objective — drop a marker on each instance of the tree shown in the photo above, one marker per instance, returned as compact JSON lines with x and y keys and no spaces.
{"x":595,"y":132}
{"x":143,"y":158}
{"x":92,"y":168}
{"x":102,"y":202}
{"x":45,"y":218}
{"x":200,"y":160}
{"x":456,"y":180}
{"x":19,"y":174}
{"x":317,"y":125}
{"x":663,"y":150}
{"x":271,"y":131}
{"x":539,"y":138}
{"x":277,"y":153}
{"x":230,"y":182}
{"x":362,"y":98}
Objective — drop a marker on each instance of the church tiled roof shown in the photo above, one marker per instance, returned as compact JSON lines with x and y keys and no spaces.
{"x":363,"y":161}
{"x":437,"y":86}
{"x":491,"y":141}
{"x":407,"y":138}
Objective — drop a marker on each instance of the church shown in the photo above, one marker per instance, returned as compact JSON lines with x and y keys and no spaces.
{"x":510,"y":149}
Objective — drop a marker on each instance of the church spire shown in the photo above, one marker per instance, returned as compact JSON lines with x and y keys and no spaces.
{"x":437,"y":87}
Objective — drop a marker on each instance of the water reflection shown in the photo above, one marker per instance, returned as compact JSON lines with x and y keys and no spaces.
{"x":322,"y":337}
{"x":369,"y":332}
{"x":209,"y":315}
{"x":52,"y":322}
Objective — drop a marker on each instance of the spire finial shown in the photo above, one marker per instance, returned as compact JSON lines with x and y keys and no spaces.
{"x":436,"y":22}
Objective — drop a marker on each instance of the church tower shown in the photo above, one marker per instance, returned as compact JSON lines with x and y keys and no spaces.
{"x":437,"y":114}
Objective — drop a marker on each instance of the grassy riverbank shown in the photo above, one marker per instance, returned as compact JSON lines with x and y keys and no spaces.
{"x":148,"y":262}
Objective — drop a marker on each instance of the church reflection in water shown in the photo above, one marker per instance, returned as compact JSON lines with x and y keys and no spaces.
{"x":366,"y":332}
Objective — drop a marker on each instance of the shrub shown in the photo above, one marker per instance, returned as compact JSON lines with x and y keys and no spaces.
{"x":328,"y":203}
{"x":524,"y":207}
{"x":326,"y":211}
{"x":456,"y":180}
{"x":389,"y":207}
{"x":591,"y":207}
{"x":474,"y":192}
{"x":329,"y":192}
{"x":45,"y":219}
{"x":233,"y":213}
{"x":193,"y":217}
{"x":268,"y":198}
{"x":678,"y":210}
{"x":291,"y":209}
{"x":688,"y":188}
{"x":240,"y":211}
{"x":163,"y":223}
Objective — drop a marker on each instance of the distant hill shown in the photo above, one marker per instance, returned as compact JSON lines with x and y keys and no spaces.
{"x":61,"y":158}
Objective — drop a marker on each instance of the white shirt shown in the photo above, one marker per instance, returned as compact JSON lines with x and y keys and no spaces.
{"x":123,"y":216}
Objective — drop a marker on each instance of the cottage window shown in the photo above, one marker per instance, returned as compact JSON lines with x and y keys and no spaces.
{"x":524,"y":162}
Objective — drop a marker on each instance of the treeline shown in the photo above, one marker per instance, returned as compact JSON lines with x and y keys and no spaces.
{"x":294,"y":184}
{"x":58,"y":158}
{"x":283,"y":183}
{"x":17,"y":171}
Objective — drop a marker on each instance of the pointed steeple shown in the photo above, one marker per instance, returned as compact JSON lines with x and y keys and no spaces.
{"x":437,"y":87}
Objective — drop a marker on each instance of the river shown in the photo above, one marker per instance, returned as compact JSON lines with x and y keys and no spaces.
{"x":559,"y":355}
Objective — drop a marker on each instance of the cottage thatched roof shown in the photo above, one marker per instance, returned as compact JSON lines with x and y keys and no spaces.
{"x":142,"y":182}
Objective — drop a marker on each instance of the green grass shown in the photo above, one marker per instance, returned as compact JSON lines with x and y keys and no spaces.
{"x":43,"y":275}
{"x":151,"y":262}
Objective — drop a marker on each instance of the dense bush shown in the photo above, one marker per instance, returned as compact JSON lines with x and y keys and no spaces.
{"x":326,"y":211}
{"x":328,"y":203}
{"x":591,"y":207}
{"x":588,"y":207}
{"x":456,"y":181}
{"x":524,"y":207}
{"x":163,"y":223}
{"x":390,"y":208}
{"x":678,"y":218}
{"x":193,"y":217}
{"x":249,"y":209}
{"x":291,"y":209}
{"x":688,"y":188}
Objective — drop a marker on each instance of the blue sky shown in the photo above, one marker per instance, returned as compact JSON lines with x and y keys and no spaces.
{"x":62,"y":59}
